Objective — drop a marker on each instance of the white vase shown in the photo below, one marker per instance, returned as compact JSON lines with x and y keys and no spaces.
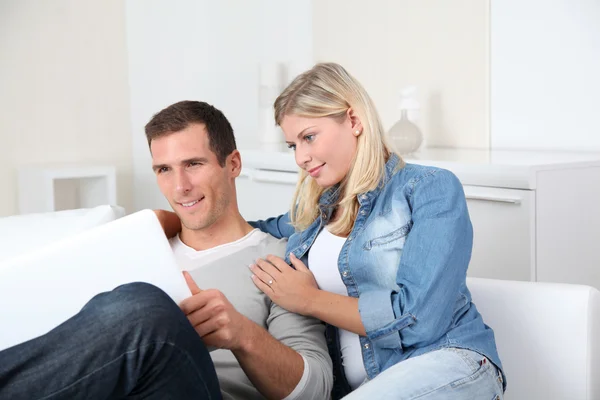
{"x":406,"y":137}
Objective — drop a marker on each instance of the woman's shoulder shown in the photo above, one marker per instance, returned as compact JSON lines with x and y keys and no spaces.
{"x":412,"y":176}
{"x":419,"y":185}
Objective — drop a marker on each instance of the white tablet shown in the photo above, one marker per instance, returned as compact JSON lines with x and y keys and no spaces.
{"x":42,"y":289}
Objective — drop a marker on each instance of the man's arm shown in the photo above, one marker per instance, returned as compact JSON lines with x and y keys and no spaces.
{"x":274,"y":368}
{"x":306,"y":336}
{"x":169,"y":221}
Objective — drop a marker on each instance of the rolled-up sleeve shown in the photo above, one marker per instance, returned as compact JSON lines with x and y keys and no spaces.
{"x":432,"y":268}
{"x":306,"y":336}
{"x":379,"y":318}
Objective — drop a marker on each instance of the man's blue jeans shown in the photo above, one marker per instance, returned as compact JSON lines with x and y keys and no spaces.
{"x":131,"y":343}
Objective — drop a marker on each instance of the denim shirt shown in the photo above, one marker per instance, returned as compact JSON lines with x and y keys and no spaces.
{"x":406,"y":261}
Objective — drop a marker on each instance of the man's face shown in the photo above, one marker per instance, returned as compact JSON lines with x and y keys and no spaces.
{"x":190,"y":177}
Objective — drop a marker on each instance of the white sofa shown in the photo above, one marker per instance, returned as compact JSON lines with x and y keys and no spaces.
{"x":21,"y":233}
{"x":548,"y":337}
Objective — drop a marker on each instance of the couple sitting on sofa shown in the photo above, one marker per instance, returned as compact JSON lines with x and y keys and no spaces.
{"x":387,"y":275}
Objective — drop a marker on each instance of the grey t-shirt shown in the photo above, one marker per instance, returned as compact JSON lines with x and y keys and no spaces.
{"x":226,"y":268}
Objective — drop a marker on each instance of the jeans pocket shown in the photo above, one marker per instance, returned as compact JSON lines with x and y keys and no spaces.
{"x":477,"y":363}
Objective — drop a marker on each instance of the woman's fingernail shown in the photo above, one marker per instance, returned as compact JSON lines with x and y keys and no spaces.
{"x":251,"y":266}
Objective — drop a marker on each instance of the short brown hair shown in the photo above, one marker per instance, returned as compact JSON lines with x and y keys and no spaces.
{"x":180,"y":115}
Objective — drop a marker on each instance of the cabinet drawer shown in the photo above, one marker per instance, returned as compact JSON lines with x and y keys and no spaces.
{"x":504,"y":233}
{"x":263,"y":194}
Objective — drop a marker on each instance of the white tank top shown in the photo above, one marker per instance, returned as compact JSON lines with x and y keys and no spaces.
{"x":323,"y":262}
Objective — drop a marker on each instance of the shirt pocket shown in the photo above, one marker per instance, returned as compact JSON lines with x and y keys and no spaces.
{"x":396,"y":237}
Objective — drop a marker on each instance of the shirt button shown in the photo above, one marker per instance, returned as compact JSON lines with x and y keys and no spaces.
{"x":345,"y":273}
{"x":367,"y":346}
{"x":304,"y":247}
{"x":349,"y":238}
{"x":363,"y":196}
{"x":363,"y":212}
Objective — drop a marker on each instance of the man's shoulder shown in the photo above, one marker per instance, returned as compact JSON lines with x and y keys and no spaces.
{"x":272,"y":245}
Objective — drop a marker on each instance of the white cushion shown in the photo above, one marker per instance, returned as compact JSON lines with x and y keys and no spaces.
{"x":21,"y":233}
{"x":548,"y":336}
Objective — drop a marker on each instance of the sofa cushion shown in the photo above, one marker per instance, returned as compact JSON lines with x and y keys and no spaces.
{"x":21,"y":233}
{"x":547,"y":336}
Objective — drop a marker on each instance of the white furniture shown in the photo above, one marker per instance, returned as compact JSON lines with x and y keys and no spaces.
{"x":40,"y":187}
{"x":547,"y":336}
{"x":22,"y":233}
{"x":535,"y":214}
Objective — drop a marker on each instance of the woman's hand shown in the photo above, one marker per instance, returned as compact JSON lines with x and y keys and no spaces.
{"x":289,"y":288}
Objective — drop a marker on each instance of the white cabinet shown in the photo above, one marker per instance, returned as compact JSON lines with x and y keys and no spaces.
{"x":535,"y":215}
{"x":503,"y":231}
{"x":264,"y":193}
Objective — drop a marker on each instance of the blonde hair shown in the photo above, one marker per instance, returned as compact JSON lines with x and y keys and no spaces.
{"x":328,"y":90}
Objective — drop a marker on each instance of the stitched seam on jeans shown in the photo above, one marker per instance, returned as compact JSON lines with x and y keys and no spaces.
{"x":454,"y":383}
{"x":496,"y":375}
{"x":472,"y":364}
{"x":118,"y":358}
{"x":469,"y":378}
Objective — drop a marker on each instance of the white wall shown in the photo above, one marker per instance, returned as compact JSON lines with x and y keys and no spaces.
{"x":64,"y":67}
{"x":210,"y":51}
{"x":441,"y":46}
{"x":545,"y":85}
{"x":63,"y":89}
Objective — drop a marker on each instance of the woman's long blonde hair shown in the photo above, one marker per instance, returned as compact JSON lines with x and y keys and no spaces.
{"x":328,"y":90}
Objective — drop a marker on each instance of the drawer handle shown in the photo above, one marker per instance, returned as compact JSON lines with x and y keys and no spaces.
{"x":270,"y":176}
{"x":511,"y":200}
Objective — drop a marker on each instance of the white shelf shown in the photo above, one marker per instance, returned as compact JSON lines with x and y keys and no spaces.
{"x":37,"y":186}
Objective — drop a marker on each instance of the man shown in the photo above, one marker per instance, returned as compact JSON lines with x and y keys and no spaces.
{"x":134,"y":342}
{"x":196,"y":162}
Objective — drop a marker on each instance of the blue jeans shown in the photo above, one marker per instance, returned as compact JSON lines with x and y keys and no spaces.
{"x":131,"y":343}
{"x":446,"y":374}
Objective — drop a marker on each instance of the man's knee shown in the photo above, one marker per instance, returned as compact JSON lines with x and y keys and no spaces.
{"x":135,"y":305}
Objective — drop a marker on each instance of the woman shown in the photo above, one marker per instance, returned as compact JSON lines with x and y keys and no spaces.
{"x":388,"y":245}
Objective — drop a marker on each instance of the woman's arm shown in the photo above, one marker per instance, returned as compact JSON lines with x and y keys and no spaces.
{"x":431,"y":271}
{"x":279,"y":227}
{"x":336,"y":310}
{"x":169,"y":221}
{"x":296,"y":290}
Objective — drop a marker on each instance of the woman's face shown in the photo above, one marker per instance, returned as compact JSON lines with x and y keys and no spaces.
{"x":324,"y":147}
